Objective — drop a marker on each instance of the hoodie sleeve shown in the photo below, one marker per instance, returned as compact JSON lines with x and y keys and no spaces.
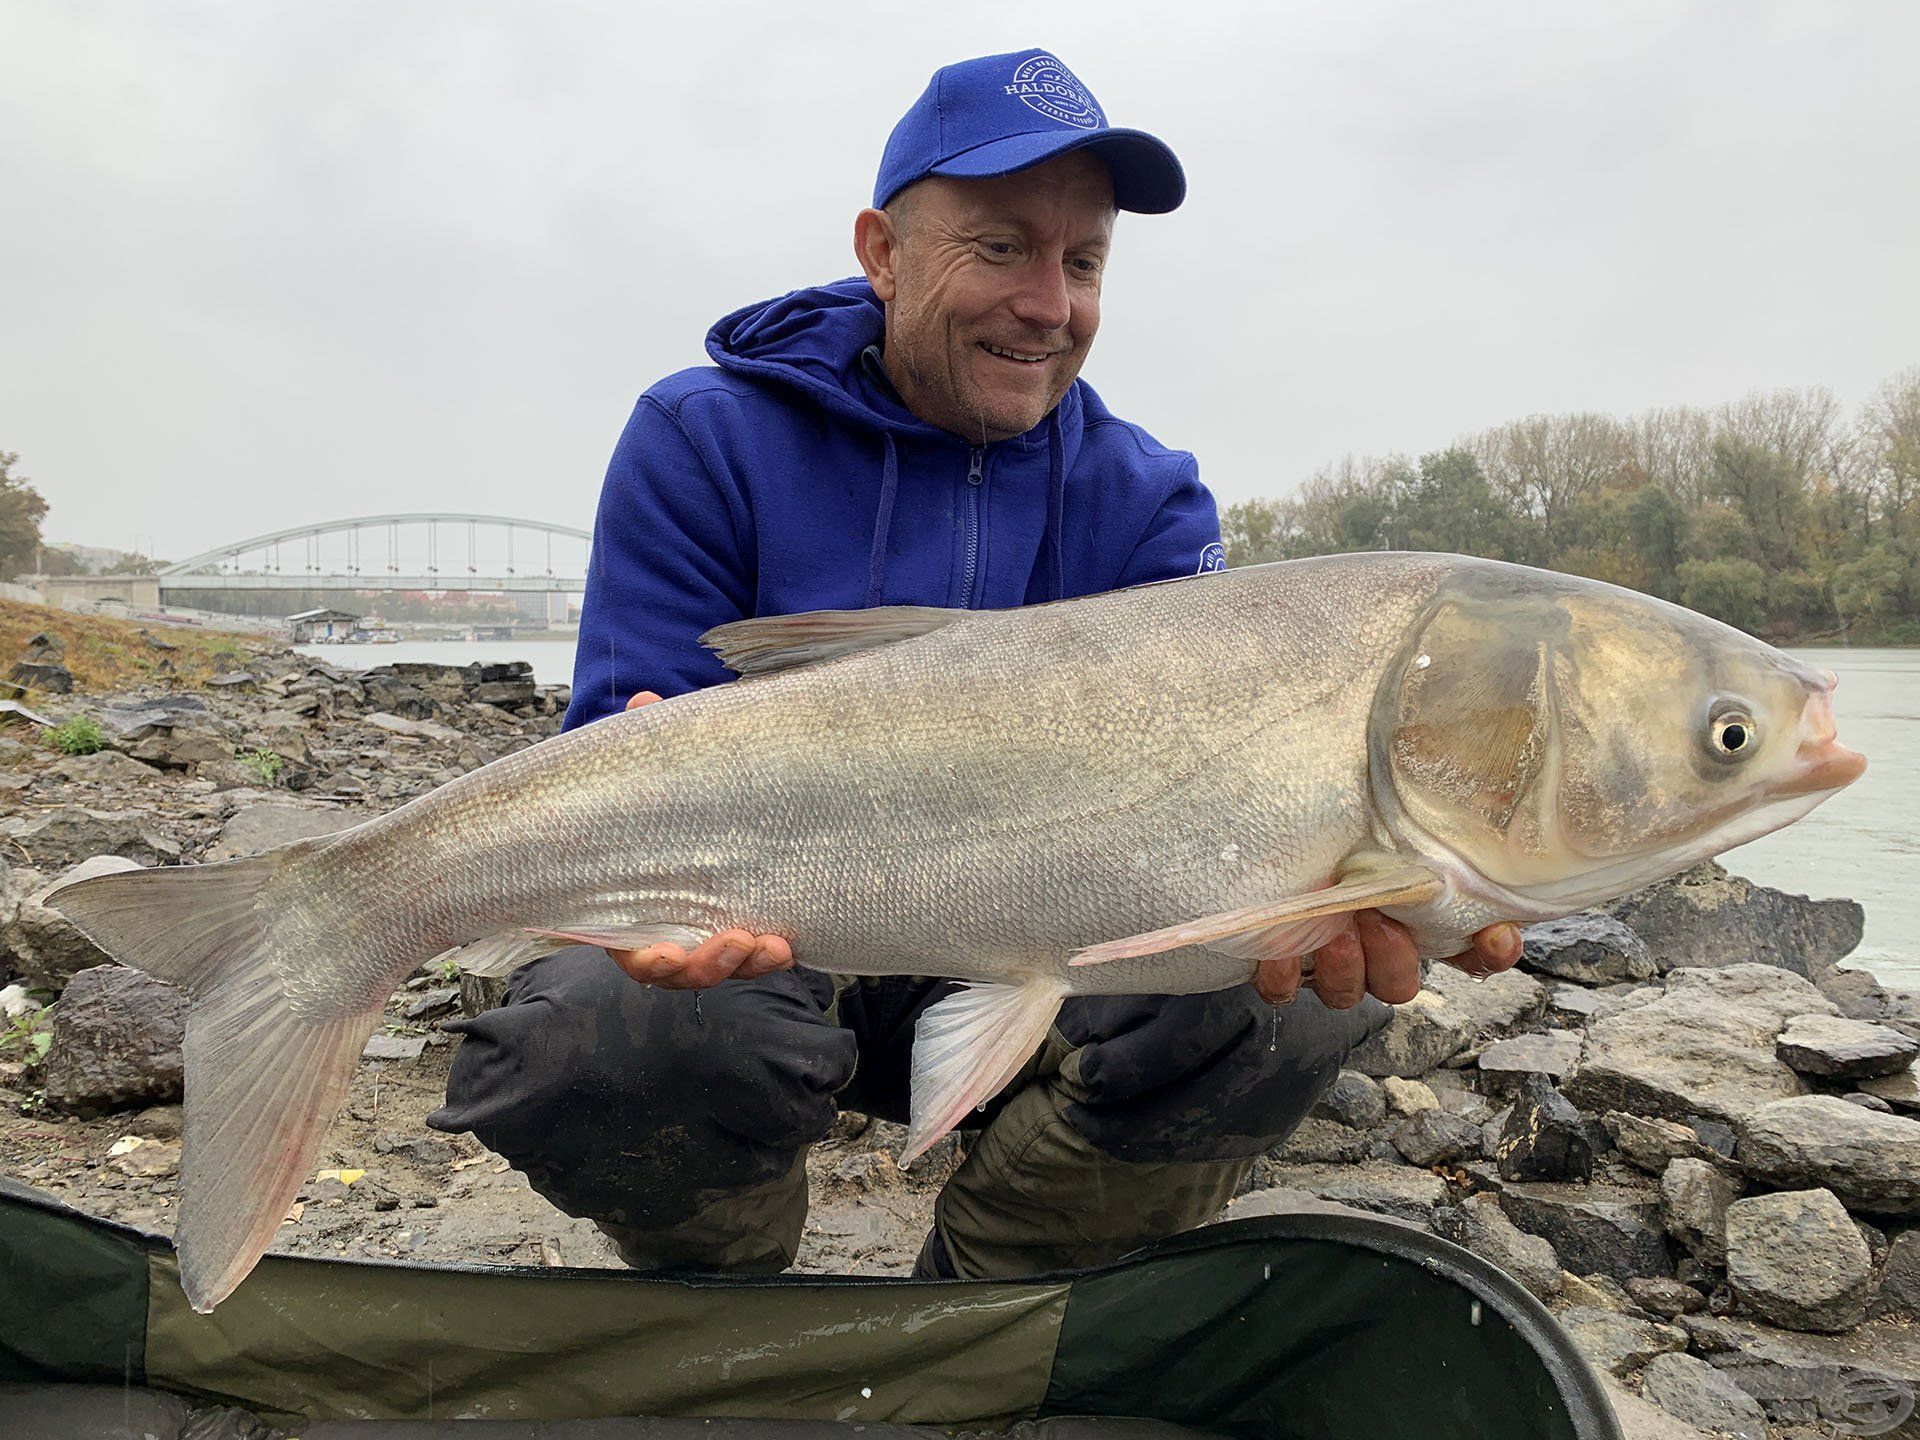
{"x":670,"y":561}
{"x":1182,"y":538}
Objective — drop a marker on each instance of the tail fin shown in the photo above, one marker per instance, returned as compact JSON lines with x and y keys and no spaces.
{"x":261,"y":1081}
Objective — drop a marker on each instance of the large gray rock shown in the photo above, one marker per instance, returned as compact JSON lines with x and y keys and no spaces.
{"x":1901,"y":1091}
{"x":105,"y":767}
{"x":1652,"y":1144}
{"x":1794,"y":1258}
{"x":1544,"y":1137}
{"x":1619,"y":1343}
{"x":1321,"y":1141}
{"x":1856,"y":992}
{"x":1592,"y":948}
{"x":1354,"y":1099}
{"x":1552,"y":1053}
{"x":1451,"y":1011}
{"x":48,"y":679}
{"x":183,"y":747}
{"x":1663,"y":1298}
{"x":1861,"y":1382}
{"x":1690,"y":1389}
{"x":1436,"y":1137}
{"x":1423,"y":1034}
{"x":136,"y":721}
{"x":116,"y":1042}
{"x":1491,"y":1006}
{"x":46,"y":948}
{"x":1870,"y":1160}
{"x":1704,"y":1047}
{"x":1833,"y":1047}
{"x":1400,"y":1191}
{"x":1694,"y":1197}
{"x":267,"y":823}
{"x":69,"y":834}
{"x":1899,"y":1290}
{"x":1595,"y":1229}
{"x":1479,"y":1224}
{"x":1708,"y":917}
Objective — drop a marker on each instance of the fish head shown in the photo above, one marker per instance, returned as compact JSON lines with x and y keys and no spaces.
{"x":1567,"y":741}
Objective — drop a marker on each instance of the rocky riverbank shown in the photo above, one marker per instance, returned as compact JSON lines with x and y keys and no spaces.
{"x":1682,"y":1123}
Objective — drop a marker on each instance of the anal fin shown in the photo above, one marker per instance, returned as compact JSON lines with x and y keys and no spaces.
{"x":1260,"y":931}
{"x":967,"y":1047}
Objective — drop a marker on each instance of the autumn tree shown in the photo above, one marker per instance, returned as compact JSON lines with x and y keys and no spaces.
{"x":21,"y":511}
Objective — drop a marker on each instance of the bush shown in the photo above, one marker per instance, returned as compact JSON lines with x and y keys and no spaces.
{"x":79,"y":735}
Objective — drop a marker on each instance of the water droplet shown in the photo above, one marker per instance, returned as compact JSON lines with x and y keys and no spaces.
{"x":1273,"y":1037}
{"x":1421,"y":662}
{"x":1266,"y":1271}
{"x":1473,"y":1315}
{"x":866,"y":1391}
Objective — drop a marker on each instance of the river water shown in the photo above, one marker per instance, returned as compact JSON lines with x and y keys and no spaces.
{"x":1864,"y":843}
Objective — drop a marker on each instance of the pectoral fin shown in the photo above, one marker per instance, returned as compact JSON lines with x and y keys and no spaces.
{"x":1292,"y":926}
{"x":968,"y":1046}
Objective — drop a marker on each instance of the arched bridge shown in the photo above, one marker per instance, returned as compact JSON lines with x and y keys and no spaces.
{"x":394,"y":552}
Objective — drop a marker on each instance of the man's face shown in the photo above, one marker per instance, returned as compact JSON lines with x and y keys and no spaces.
{"x":992,"y":289}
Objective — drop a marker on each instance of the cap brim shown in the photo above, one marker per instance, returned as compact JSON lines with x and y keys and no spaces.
{"x":1147,"y":178}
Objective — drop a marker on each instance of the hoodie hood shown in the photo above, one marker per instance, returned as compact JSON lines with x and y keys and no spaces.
{"x":818,"y":341}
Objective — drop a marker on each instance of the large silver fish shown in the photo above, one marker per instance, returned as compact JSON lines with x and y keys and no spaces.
{"x":1144,"y":791}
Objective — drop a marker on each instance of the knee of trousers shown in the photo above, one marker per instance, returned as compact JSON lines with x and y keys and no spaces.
{"x":616,"y":1096}
{"x":1218,"y":1076}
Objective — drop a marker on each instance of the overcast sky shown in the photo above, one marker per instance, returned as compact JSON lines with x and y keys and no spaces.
{"x":264,"y":264}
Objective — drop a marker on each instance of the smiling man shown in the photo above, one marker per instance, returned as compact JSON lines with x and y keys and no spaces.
{"x":920,"y":436}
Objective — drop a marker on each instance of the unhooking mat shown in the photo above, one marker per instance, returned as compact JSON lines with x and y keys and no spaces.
{"x":1301,"y":1327}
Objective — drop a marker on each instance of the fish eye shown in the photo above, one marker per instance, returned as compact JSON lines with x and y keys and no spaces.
{"x":1734,"y":734}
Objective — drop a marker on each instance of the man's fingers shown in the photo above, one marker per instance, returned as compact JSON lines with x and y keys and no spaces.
{"x":1340,"y":970}
{"x":1393,"y":960}
{"x":644,"y":697}
{"x":1278,"y":981}
{"x":1495,"y":948}
{"x":771,"y":953}
{"x":730,"y":954}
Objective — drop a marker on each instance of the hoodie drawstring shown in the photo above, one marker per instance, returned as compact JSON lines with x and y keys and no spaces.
{"x":882,"y":520}
{"x":1056,"y":504}
{"x":1052,"y":555}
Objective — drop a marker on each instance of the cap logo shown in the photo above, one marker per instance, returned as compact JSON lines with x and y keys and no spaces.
{"x":1042,"y":83}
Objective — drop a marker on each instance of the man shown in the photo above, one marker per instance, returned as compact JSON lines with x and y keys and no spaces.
{"x":916,"y":436}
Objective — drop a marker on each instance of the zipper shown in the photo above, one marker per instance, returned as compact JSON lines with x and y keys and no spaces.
{"x":976,"y":477}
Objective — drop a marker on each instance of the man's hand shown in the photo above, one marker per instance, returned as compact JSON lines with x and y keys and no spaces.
{"x":1375,"y":956}
{"x":730,"y":955}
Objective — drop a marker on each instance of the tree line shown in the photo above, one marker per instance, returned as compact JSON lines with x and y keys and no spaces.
{"x":1780,"y":513}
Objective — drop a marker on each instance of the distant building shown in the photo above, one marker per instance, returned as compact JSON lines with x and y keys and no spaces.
{"x":537,"y":609}
{"x":311,"y":626}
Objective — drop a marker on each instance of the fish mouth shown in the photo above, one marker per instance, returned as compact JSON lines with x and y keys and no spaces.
{"x":1830,"y":766}
{"x":1821,"y":763}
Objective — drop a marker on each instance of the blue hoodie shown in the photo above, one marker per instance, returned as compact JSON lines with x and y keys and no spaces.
{"x":792,"y":478}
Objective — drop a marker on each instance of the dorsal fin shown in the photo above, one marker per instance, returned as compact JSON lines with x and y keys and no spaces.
{"x":769,"y":643}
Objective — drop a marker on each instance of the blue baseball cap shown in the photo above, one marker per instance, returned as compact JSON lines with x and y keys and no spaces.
{"x":1003,"y":113}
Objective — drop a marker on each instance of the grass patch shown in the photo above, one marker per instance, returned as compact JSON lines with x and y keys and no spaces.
{"x":265,"y":764}
{"x":79,"y":735}
{"x":28,"y":1036}
{"x":106,"y":654}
